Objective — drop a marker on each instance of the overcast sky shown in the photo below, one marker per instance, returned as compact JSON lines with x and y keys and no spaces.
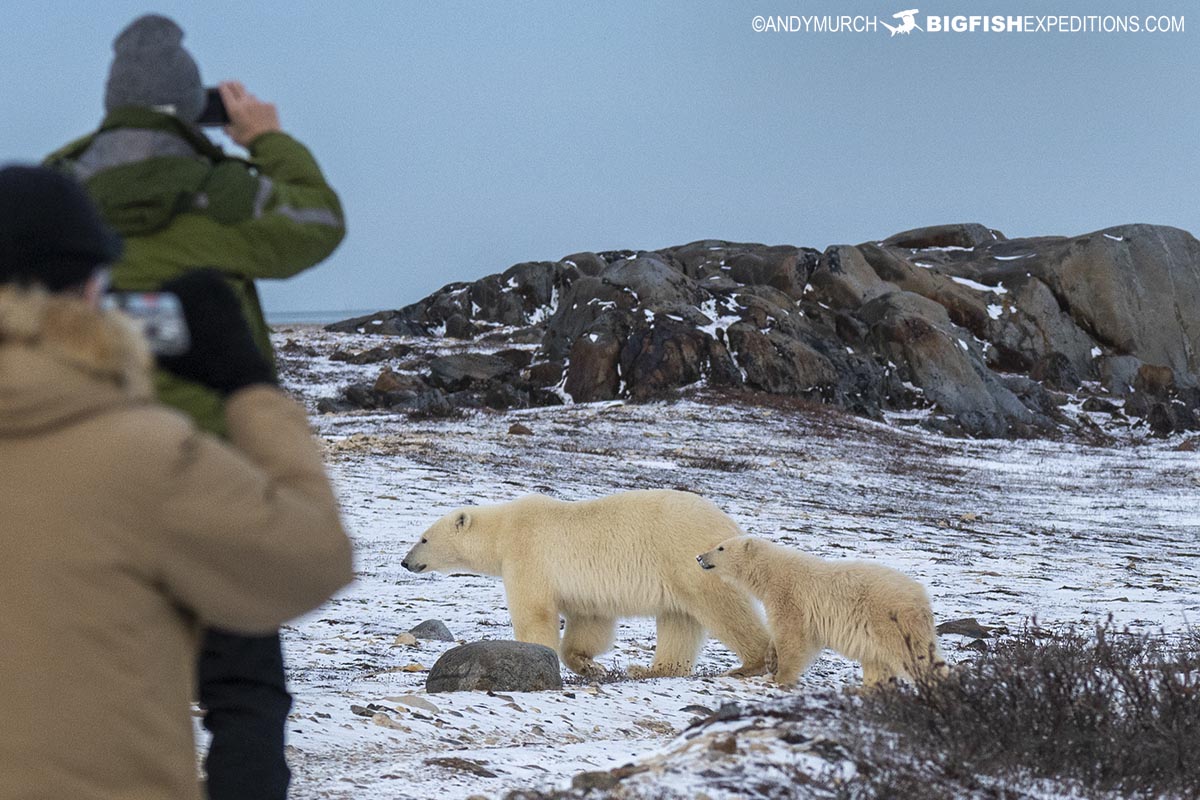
{"x":465,"y":137}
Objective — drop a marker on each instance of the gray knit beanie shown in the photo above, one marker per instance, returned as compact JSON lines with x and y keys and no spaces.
{"x":151,"y":68}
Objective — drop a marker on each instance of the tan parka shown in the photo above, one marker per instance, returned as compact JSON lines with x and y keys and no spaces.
{"x":122,"y":527}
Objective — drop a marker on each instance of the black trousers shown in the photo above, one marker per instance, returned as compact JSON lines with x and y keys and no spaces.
{"x":246,"y":702}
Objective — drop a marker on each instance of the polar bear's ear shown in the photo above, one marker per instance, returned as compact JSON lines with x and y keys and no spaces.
{"x":462,"y":521}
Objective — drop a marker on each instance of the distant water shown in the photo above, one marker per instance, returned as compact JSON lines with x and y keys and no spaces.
{"x":315,"y":317}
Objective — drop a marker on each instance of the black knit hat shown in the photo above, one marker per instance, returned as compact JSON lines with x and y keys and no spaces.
{"x":151,"y":69}
{"x":50,"y":232}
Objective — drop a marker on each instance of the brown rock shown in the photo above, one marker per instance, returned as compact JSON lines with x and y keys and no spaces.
{"x":663,"y":356}
{"x":844,"y":279}
{"x":777,"y":363}
{"x":586,"y":781}
{"x":391,"y":381}
{"x":517,"y":429}
{"x":962,"y":234}
{"x":547,"y":373}
{"x":1154,"y":380}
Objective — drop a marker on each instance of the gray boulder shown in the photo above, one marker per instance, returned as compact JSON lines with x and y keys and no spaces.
{"x":498,"y":666}
{"x":655,"y":284}
{"x":917,"y":334}
{"x":433,"y":630}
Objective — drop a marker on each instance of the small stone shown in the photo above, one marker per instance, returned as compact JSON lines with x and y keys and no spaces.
{"x":415,"y":701}
{"x":586,"y":781}
{"x":433,"y":630}
{"x":462,"y":765}
{"x":517,"y":429}
{"x":699,"y":710}
{"x":384,"y":721}
{"x":968,"y":626}
{"x":389,"y":381}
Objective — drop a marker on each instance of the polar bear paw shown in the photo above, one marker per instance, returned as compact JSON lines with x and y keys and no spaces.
{"x":746,"y":671}
{"x":638,"y":672}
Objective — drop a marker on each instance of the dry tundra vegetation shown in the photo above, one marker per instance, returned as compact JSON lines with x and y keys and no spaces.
{"x":1103,"y":712}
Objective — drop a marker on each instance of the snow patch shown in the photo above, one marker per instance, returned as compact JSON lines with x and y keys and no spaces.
{"x":721,"y":317}
{"x":970,"y":284}
{"x":544,"y":313}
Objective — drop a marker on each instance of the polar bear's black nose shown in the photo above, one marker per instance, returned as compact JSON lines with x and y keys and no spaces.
{"x":404,"y":564}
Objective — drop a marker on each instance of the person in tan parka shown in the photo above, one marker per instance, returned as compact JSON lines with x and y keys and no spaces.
{"x":123,"y":528}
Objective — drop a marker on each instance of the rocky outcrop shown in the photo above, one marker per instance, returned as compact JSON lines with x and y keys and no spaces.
{"x":992,"y":336}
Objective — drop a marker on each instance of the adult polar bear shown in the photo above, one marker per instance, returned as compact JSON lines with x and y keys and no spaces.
{"x":593,"y":561}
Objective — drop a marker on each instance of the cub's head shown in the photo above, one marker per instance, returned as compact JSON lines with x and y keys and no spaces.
{"x":445,"y":545}
{"x":724,"y":556}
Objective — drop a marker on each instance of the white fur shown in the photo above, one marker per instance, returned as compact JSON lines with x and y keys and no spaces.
{"x":867,"y":612}
{"x":594,"y":561}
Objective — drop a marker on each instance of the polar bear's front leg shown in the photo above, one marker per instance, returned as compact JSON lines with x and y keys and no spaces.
{"x":877,"y":673}
{"x":795,"y":650}
{"x":537,"y":624}
{"x":533,"y":611}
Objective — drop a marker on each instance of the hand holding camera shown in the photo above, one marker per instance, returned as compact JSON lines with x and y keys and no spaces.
{"x":223,"y":355}
{"x":248,"y":116}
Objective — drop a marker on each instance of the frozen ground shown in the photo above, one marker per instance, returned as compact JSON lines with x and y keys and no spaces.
{"x":1000,"y":531}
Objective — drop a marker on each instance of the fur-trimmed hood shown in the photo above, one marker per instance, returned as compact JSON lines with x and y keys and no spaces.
{"x":61,"y":360}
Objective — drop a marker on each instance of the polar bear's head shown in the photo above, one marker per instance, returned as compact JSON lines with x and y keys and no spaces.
{"x":722,"y":557}
{"x":445,"y":545}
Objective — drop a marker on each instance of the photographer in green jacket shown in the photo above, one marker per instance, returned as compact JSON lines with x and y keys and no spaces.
{"x":180,"y":202}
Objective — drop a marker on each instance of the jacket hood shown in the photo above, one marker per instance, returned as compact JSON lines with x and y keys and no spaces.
{"x":62,"y":360}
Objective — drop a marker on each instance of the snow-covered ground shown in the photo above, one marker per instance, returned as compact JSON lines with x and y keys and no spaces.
{"x":1000,"y":531}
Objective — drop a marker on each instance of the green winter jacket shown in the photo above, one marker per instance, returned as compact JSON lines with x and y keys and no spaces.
{"x":180,"y":203}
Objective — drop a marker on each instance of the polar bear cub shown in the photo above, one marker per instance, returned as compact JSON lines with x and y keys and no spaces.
{"x":867,"y":612}
{"x":594,"y":561}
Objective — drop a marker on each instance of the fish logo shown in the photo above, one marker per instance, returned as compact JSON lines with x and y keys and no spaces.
{"x":908,"y":22}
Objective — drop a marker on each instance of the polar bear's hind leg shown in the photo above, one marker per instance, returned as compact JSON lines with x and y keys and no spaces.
{"x":585,"y":638}
{"x":680,"y":636}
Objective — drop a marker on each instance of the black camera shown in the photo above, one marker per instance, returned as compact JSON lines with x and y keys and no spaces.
{"x":214,"y":114}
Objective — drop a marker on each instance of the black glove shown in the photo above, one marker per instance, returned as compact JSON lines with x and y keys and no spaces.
{"x":223,"y":355}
